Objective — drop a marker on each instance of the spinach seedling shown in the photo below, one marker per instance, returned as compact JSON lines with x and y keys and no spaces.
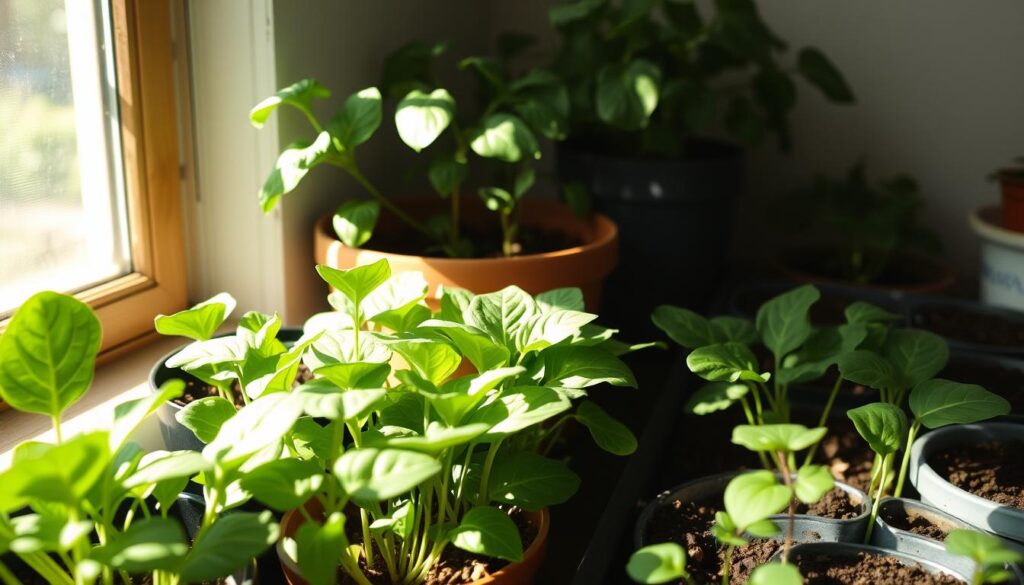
{"x":95,"y":508}
{"x":666,"y":562}
{"x":933,"y":403}
{"x":988,"y":552}
{"x":807,"y":483}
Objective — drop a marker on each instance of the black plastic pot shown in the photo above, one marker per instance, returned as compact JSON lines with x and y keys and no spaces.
{"x":674,"y":218}
{"x":841,"y":550}
{"x":177,"y":437}
{"x":982,"y":328}
{"x":805,"y":528}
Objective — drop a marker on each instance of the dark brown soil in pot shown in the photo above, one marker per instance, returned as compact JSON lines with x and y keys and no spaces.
{"x":864,"y":569}
{"x":846,"y":455}
{"x":689,"y":524}
{"x":485,"y":243}
{"x":992,"y":470}
{"x":913,"y":522}
{"x":196,"y":389}
{"x":970,"y":326}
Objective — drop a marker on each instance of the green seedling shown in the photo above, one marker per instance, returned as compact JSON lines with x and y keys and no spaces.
{"x":988,"y":552}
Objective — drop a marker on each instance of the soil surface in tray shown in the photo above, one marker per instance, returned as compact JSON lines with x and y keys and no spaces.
{"x":196,"y":389}
{"x":864,"y":569}
{"x":689,"y":524}
{"x":970,"y":326}
{"x":915,"y":523}
{"x":994,"y":471}
{"x":456,"y":566}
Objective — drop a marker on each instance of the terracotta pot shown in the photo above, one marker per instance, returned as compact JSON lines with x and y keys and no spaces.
{"x":1012,"y":185}
{"x":521,"y":573}
{"x":585,"y":266}
{"x":919,"y":273}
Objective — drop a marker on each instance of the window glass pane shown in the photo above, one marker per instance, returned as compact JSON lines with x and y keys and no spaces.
{"x":62,"y":203}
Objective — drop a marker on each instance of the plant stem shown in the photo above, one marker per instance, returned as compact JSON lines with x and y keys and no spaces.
{"x":372,"y":190}
{"x":914,"y":428}
{"x":485,"y":475}
{"x":878,"y":500}
{"x":367,"y":543}
{"x":727,"y":564}
{"x":7,"y":576}
{"x":824,"y":417}
{"x":506,"y":239}
{"x":56,"y":428}
{"x":788,"y":480}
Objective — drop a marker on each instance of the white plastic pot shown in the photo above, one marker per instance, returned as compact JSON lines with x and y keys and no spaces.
{"x":1002,"y":259}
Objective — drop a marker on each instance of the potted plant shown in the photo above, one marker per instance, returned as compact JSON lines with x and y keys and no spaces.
{"x":1002,"y":259}
{"x":862,"y":234}
{"x":645,"y":82}
{"x":93,"y":507}
{"x":423,"y":441}
{"x":481,"y":238}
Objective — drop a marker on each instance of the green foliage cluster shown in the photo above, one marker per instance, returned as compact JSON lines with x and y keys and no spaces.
{"x":93,"y":507}
{"x":434,"y":424}
{"x":988,"y":552}
{"x":500,"y":139}
{"x":865,"y":224}
{"x":644,"y":76}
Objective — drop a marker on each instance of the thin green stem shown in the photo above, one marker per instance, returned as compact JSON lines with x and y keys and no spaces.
{"x":787,"y":479}
{"x":485,"y":475}
{"x":727,"y":564}
{"x":824,"y":417}
{"x":878,"y":500}
{"x":372,"y":190}
{"x":7,"y":576}
{"x":911,"y":435}
{"x":56,"y":428}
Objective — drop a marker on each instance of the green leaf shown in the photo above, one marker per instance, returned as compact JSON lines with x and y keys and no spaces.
{"x":627,"y":93}
{"x":151,"y":544}
{"x":937,"y":403}
{"x":398,"y":303}
{"x":489,"y":69}
{"x":358,"y":119}
{"x":776,"y":574}
{"x":231,"y":541}
{"x":547,"y":328}
{"x":813,"y":482}
{"x":261,"y":424}
{"x":446,"y":173}
{"x":410,"y":67}
{"x":519,"y":408}
{"x":497,"y":199}
{"x":205,"y":417}
{"x":776,"y":437}
{"x":984,"y":549}
{"x":319,"y":549}
{"x":373,"y":475}
{"x":657,"y":563}
{"x":743,"y":122}
{"x":356,"y":283}
{"x":200,"y":322}
{"x":476,"y":346}
{"x":284,"y":484}
{"x":47,"y":354}
{"x":502,"y":314}
{"x":354,"y":221}
{"x":715,"y":396}
{"x":763,"y":529}
{"x":130,"y":414}
{"x":917,"y":355}
{"x":752,"y":497}
{"x":433,"y":360}
{"x":684,"y":326}
{"x":422,"y":117}
{"x":324,"y":400}
{"x":820,"y":72}
{"x":575,"y":366}
{"x":488,"y":531}
{"x":506,"y":138}
{"x":543,"y":103}
{"x":436,"y":438}
{"x":64,"y":473}
{"x":784,"y":321}
{"x":456,"y":398}
{"x":569,"y":299}
{"x":722,"y":362}
{"x":882,"y":425}
{"x":734,"y":329}
{"x":869,"y":369}
{"x":572,"y":11}
{"x":865,"y":312}
{"x":608,"y":433}
{"x":300,"y":95}
{"x":159,"y":466}
{"x":291,"y":167}
{"x":531,"y":482}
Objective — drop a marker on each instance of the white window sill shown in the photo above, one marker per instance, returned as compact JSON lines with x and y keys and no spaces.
{"x":124,"y":378}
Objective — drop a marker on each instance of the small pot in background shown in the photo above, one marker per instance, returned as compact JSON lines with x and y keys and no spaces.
{"x":906,"y":272}
{"x":1003,"y":520}
{"x":1002,"y":259}
{"x":840,"y":550}
{"x":177,"y":437}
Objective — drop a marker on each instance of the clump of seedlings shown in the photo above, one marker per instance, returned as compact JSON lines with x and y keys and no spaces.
{"x":988,"y":552}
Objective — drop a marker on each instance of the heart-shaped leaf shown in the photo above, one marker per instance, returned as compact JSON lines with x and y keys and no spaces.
{"x":812,"y":482}
{"x":488,"y":531}
{"x":776,"y":437}
{"x":752,"y":497}
{"x":882,"y":425}
{"x":937,"y":403}
{"x":784,"y":321}
{"x":531,"y":482}
{"x":354,"y":221}
{"x":372,"y":475}
{"x":684,"y":326}
{"x":422,"y":117}
{"x":200,"y":322}
{"x":284,"y":484}
{"x":358,"y":119}
{"x":657,"y":563}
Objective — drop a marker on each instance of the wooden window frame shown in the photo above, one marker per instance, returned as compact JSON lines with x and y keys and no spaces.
{"x":143,"y":38}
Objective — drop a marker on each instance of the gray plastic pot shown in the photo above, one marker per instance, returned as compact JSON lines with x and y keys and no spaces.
{"x":849,"y":549}
{"x":1005,"y":521}
{"x":805,"y":528}
{"x":176,"y":437}
{"x":889,"y":537}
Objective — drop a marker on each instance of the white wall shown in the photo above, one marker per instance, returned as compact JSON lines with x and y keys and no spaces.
{"x":940,"y":89}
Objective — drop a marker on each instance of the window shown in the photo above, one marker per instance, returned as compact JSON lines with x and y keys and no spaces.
{"x":89,"y":166}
